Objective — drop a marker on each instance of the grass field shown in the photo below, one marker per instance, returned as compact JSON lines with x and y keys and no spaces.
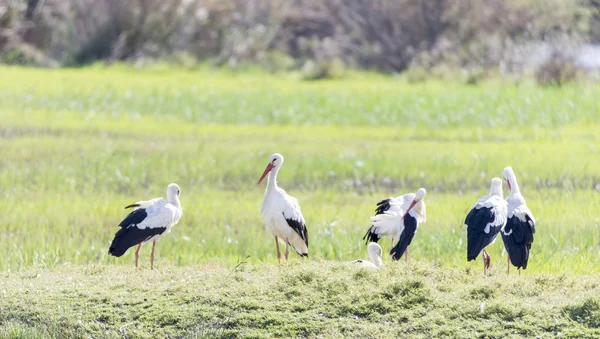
{"x":76,"y":146}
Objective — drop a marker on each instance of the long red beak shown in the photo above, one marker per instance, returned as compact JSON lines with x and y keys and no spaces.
{"x":267,"y":170}
{"x":412,"y":204}
{"x":508,"y":183}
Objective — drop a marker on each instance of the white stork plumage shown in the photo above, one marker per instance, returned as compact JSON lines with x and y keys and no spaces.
{"x":484,"y":221}
{"x":398,"y":218}
{"x":517,"y":235}
{"x":149,"y":221}
{"x":375,"y":254}
{"x":283,"y":217}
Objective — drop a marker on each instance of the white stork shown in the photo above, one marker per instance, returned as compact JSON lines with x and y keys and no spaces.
{"x":398,"y":218}
{"x":484,"y":221}
{"x":375,"y":254}
{"x":149,"y":221}
{"x":517,"y":235}
{"x":283,"y":217}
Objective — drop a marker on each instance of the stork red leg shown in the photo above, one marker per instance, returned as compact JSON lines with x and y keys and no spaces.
{"x":152,"y":255}
{"x":137,"y":255}
{"x":508,"y":264}
{"x":286,"y":249}
{"x":483,"y":259}
{"x":278,"y":253}
{"x":486,"y":262}
{"x":406,"y":255}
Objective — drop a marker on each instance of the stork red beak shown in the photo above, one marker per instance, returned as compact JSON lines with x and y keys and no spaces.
{"x":412,"y":204}
{"x":267,"y":170}
{"x":508,"y":183}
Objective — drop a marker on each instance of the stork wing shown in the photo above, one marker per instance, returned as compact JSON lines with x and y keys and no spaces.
{"x":524,"y":214}
{"x":293,"y":215}
{"x":388,"y":223}
{"x":144,"y":203}
{"x":154,"y":213}
{"x":495,"y":218}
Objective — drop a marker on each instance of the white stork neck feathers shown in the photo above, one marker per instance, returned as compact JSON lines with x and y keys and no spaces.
{"x":511,"y":180}
{"x":375,"y":254}
{"x":496,"y":187}
{"x":272,"y":179}
{"x":273,"y":167}
{"x":173,"y":192}
{"x":412,"y":204}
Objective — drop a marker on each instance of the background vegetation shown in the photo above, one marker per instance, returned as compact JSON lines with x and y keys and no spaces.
{"x":438,"y":38}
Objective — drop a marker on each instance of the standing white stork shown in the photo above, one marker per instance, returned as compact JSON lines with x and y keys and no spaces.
{"x":375,"y":254}
{"x":399,"y":220}
{"x":517,"y":235}
{"x":484,"y":221}
{"x":149,"y":221}
{"x":283,"y":217}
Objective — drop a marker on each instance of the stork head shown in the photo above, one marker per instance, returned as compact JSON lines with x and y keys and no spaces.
{"x":508,"y":176}
{"x":496,"y":187}
{"x":275,"y":161}
{"x":419,"y":195}
{"x":173,"y":192}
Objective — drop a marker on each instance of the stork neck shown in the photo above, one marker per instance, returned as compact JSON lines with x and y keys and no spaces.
{"x":514,"y":186}
{"x":376,"y":259}
{"x":174,"y":201}
{"x":272,"y":179}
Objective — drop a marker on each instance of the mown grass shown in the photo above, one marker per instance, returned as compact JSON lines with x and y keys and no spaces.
{"x":309,"y":299}
{"x":76,"y":146}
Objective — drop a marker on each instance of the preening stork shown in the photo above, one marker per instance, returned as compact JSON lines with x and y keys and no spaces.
{"x":398,"y":218}
{"x":517,"y":235}
{"x":375,"y":254}
{"x":484,"y":221}
{"x":283,"y":217}
{"x":149,"y":221}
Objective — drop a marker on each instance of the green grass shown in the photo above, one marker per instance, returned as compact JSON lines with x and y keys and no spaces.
{"x":76,"y":146}
{"x":216,"y":97}
{"x":310,"y":299}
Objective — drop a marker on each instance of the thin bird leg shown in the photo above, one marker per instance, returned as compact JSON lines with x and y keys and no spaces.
{"x":483,"y":259}
{"x":508,"y":264}
{"x":286,"y":249}
{"x":519,"y":269}
{"x":278,"y":253}
{"x":406,"y":255}
{"x":392,"y":242}
{"x":486,"y":261}
{"x":152,"y":255}
{"x":137,"y":255}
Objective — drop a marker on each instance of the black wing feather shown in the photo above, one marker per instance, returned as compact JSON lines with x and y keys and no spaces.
{"x":477,"y":239}
{"x":134,"y":218}
{"x":410,"y":228}
{"x":382,"y":206}
{"x":518,"y":242}
{"x":300,"y":228}
{"x":130,"y":235}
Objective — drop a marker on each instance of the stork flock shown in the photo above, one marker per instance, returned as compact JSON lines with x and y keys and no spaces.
{"x":397,"y":218}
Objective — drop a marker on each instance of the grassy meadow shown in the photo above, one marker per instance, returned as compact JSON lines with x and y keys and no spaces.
{"x":77,"y":145}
